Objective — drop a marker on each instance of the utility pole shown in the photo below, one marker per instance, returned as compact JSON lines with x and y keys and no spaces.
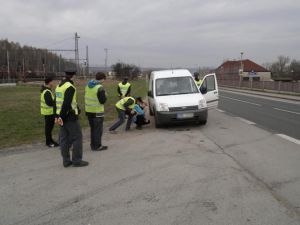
{"x":241,"y":70}
{"x":77,"y":52}
{"x":59,"y":62}
{"x":8,"y":70}
{"x":87,"y":61}
{"x":105,"y":62}
{"x":24,"y":69}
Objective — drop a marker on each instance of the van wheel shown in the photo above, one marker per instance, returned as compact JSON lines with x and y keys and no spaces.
{"x":156,"y":121}
{"x":151,"y":111}
{"x":202,"y":122}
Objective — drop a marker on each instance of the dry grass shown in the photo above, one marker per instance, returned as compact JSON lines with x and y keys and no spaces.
{"x":20,"y":119}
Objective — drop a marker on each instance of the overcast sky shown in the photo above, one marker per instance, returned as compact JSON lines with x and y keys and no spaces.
{"x":158,"y":33}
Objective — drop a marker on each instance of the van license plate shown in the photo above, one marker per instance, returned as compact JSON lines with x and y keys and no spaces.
{"x":185,"y":115}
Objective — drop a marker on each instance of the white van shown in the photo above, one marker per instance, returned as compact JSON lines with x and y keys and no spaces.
{"x":174,"y":96}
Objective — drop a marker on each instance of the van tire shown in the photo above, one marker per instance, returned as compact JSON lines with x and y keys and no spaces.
{"x":202,"y":122}
{"x":151,"y":111}
{"x":156,"y":121}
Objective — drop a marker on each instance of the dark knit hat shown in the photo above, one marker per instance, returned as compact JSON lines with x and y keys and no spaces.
{"x":48,"y":80}
{"x":70,"y":72}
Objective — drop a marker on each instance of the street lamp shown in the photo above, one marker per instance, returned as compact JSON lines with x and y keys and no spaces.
{"x":241,"y":70}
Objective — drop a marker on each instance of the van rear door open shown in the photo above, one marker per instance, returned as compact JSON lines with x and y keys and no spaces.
{"x":209,"y":83}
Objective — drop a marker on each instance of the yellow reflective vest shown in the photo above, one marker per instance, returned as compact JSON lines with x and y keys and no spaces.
{"x":60,"y":95}
{"x":92,"y":104}
{"x":46,"y":110}
{"x":199,"y":82}
{"x":120,"y":104}
{"x":124,"y":88}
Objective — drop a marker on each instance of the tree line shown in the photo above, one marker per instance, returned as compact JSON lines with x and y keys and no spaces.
{"x":284,"y":68}
{"x":122,"y":70}
{"x":29,"y":61}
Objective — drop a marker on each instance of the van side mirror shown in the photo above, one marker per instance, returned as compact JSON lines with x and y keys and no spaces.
{"x":150,"y":94}
{"x":203,"y":90}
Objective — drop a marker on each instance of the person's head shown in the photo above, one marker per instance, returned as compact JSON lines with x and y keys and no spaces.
{"x":49,"y":82}
{"x":138,"y":100}
{"x":69,"y":74}
{"x":100,"y":76}
{"x":125,"y":80}
{"x":196,"y":75}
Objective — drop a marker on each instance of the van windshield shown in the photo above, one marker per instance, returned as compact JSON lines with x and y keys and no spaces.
{"x":175,"y":86}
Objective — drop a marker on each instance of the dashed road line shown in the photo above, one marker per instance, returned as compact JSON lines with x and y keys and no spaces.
{"x":241,"y":101}
{"x":284,"y":110}
{"x":246,"y":121}
{"x":294,"y":140}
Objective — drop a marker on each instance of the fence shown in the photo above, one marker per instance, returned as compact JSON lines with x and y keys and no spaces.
{"x":275,"y":86}
{"x":15,"y":76}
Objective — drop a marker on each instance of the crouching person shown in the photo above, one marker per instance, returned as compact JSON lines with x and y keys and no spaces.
{"x":124,"y":107}
{"x":139,"y":118}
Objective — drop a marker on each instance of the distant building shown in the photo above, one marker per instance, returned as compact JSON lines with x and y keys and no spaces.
{"x":232,"y":70}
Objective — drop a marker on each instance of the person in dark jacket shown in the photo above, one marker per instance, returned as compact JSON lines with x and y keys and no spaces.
{"x":124,"y":88}
{"x":48,"y":110}
{"x":124,"y":107}
{"x":70,"y":131}
{"x":95,"y":98}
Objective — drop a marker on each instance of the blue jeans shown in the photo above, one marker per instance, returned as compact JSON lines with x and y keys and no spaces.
{"x":121,"y":119}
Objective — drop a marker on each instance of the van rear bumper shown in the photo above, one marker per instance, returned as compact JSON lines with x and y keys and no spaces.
{"x":198,"y":115}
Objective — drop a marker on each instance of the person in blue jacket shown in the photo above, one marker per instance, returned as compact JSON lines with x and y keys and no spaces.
{"x":139,"y":118}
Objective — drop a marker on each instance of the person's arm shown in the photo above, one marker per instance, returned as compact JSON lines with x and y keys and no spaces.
{"x":119,"y":91}
{"x":101,"y":95}
{"x":48,"y":99}
{"x":139,"y":110}
{"x":67,"y":104}
{"x":127,"y":104}
{"x":128,"y":91}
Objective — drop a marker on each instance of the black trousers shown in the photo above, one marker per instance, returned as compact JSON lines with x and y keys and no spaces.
{"x":49,"y":124}
{"x":96,"y":125}
{"x":70,"y":135}
{"x":140,"y":120}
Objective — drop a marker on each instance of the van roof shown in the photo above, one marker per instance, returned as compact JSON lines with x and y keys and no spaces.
{"x":171,"y":73}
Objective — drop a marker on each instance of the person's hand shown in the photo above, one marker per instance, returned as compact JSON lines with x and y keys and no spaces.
{"x":56,"y":120}
{"x":60,"y":121}
{"x":132,"y":112}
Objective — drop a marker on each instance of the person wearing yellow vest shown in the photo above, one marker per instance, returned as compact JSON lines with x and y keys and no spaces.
{"x":197,"y":80}
{"x":68,"y":111}
{"x":124,"y":107}
{"x":48,"y":110}
{"x":94,"y":98}
{"x":124,"y":88}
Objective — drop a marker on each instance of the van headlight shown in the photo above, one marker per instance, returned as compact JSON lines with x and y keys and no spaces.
{"x":163,"y":107}
{"x":202,"y":104}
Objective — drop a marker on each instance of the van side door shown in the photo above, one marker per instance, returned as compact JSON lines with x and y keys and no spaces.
{"x":210,"y":85}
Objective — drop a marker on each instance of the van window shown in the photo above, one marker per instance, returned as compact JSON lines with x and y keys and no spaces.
{"x":175,"y":86}
{"x":209,"y":83}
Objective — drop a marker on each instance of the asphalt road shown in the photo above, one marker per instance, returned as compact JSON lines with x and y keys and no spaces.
{"x":276,"y":115}
{"x":226,"y":172}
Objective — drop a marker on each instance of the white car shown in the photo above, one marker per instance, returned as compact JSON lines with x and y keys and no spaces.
{"x":174,"y":96}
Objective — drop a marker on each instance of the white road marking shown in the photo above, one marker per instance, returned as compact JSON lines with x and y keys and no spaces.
{"x":246,"y":121}
{"x":287,"y":111}
{"x":220,"y":110}
{"x":241,"y":100}
{"x":294,"y":140}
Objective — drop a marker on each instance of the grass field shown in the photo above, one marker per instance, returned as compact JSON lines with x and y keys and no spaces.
{"x":20,"y":119}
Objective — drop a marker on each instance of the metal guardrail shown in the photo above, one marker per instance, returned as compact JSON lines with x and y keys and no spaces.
{"x":275,"y":86}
